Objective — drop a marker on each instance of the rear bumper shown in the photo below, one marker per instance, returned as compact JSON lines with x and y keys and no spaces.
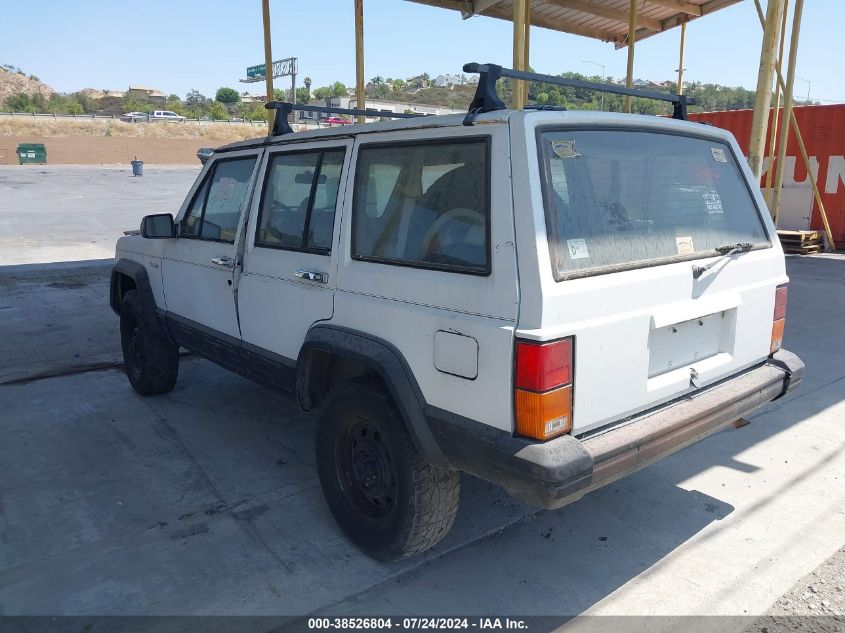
{"x":554,"y":473}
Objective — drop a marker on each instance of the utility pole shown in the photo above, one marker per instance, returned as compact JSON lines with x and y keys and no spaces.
{"x":360,"y":87}
{"x":603,"y":77}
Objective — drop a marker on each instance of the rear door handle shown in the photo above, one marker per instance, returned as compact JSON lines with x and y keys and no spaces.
{"x":223,"y":261}
{"x":311,"y":275}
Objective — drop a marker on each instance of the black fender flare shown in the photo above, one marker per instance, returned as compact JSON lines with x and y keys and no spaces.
{"x":138,"y":274}
{"x":389,"y":363}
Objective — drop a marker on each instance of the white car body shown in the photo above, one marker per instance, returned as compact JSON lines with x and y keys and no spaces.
{"x":644,"y":337}
{"x":165,"y":115}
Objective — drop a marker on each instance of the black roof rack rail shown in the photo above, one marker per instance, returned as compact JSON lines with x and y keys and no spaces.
{"x":281,"y":126}
{"x":486,"y":99}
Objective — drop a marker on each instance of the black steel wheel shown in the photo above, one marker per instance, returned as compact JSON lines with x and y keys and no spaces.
{"x":150,"y":357}
{"x":381,"y":490}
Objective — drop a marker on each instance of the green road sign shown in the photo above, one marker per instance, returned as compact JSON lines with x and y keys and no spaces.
{"x":256,"y":71}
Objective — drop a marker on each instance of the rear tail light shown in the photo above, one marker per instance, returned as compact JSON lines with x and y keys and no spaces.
{"x":778,"y":319}
{"x":543,"y":388}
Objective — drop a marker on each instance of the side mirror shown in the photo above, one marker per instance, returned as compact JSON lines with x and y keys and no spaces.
{"x":158,"y":226}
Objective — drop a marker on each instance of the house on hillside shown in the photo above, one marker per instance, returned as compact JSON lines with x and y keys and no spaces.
{"x":148,"y":94}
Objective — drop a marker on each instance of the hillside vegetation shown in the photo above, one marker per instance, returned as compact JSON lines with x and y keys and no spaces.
{"x":220,"y":132}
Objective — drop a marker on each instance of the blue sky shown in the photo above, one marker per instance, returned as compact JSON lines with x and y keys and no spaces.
{"x":178,"y":45}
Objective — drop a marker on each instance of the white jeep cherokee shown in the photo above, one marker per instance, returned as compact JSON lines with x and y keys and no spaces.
{"x":546,"y":300}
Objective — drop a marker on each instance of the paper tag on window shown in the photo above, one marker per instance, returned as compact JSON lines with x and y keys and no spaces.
{"x":565,"y":149}
{"x":713,"y":202}
{"x":685,"y":245}
{"x":719,"y":155}
{"x":577,"y":249}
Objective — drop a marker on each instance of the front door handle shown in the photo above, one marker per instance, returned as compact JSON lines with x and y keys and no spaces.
{"x":311,"y":275}
{"x":223,"y":261}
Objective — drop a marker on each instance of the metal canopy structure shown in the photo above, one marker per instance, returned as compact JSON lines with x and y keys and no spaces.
{"x":605,"y":20}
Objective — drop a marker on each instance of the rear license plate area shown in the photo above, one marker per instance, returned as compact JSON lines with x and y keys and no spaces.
{"x":681,"y":344}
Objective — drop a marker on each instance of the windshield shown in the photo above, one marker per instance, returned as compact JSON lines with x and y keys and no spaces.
{"x":627,"y":199}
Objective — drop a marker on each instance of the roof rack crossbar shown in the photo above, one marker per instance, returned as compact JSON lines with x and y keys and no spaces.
{"x":486,"y":100}
{"x":281,"y":125}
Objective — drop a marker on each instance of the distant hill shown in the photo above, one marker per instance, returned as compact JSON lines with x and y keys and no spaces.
{"x":14,"y":81}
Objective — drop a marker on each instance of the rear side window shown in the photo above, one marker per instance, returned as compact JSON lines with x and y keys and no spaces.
{"x":424,"y":205}
{"x":216,"y":207}
{"x":299,"y":200}
{"x":626,"y":199}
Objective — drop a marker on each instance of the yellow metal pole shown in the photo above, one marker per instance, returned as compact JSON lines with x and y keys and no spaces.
{"x":681,"y":61}
{"x":760,"y":120}
{"x":517,"y":85}
{"x":632,"y":37}
{"x":268,"y":61}
{"x":803,"y":149}
{"x":787,"y":106}
{"x":770,"y":172}
{"x":360,"y":96}
{"x":528,"y":40}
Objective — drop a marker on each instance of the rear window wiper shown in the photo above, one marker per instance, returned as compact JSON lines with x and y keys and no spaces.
{"x":726,"y":251}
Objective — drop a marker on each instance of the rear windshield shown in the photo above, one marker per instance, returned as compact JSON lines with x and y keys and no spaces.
{"x":627,"y":199}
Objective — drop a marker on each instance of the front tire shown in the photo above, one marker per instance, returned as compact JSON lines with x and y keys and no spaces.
{"x":150,"y":357}
{"x":383,"y":493}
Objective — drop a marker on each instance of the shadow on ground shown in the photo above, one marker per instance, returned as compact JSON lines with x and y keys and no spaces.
{"x":206,"y":500}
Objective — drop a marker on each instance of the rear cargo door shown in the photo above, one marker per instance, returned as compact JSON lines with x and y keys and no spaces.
{"x":628,"y":214}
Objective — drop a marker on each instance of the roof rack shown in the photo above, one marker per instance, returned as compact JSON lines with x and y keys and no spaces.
{"x":486,"y":99}
{"x":281,"y":126}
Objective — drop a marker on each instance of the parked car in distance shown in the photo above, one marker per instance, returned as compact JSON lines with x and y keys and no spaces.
{"x":336,"y":120}
{"x":134,"y":117}
{"x":166,"y":115}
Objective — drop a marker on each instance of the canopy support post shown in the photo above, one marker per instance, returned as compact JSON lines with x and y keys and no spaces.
{"x":518,"y":87}
{"x":268,"y":62}
{"x":681,"y":60}
{"x":770,"y":172}
{"x":632,"y":38}
{"x":360,"y":86}
{"x":762,"y":103}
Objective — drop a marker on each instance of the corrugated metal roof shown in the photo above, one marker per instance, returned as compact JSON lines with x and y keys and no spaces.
{"x":605,"y":20}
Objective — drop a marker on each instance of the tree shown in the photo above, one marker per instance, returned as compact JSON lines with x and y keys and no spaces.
{"x":195,"y":98}
{"x":338,"y":89}
{"x":173,"y":98}
{"x":227,"y":95}
{"x":217,"y":110}
{"x":303,"y":95}
{"x":308,"y":84}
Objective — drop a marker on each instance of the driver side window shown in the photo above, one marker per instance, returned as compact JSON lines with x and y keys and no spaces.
{"x":216,"y":207}
{"x":299,"y":199}
{"x":425,"y":205}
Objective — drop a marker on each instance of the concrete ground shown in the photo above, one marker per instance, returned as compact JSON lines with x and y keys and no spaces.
{"x":58,"y":213}
{"x":206,"y":500}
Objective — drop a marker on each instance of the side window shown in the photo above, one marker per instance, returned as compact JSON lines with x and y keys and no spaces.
{"x":425,"y":205}
{"x":216,"y":207}
{"x":299,"y":200}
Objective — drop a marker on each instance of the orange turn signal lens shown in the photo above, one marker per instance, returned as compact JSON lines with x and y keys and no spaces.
{"x":777,"y":335}
{"x":543,"y":415}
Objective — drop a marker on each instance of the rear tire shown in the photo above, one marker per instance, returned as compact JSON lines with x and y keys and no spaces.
{"x":150,"y":357}
{"x":383,"y":493}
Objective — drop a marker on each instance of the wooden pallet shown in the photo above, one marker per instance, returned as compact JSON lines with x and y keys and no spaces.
{"x":804,"y":250}
{"x":801,"y":242}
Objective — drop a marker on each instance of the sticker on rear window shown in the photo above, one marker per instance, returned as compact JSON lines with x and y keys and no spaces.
{"x":719,"y":155}
{"x":577,"y":249}
{"x":685,"y":245}
{"x":565,"y":149}
{"x":713,"y":201}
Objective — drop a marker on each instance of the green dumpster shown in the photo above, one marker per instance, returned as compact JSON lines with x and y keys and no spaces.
{"x":32,"y":154}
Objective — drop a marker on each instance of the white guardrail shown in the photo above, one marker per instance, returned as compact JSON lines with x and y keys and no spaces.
{"x":116,"y":117}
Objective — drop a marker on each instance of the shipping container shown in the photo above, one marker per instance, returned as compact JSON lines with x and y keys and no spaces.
{"x":823,"y":131}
